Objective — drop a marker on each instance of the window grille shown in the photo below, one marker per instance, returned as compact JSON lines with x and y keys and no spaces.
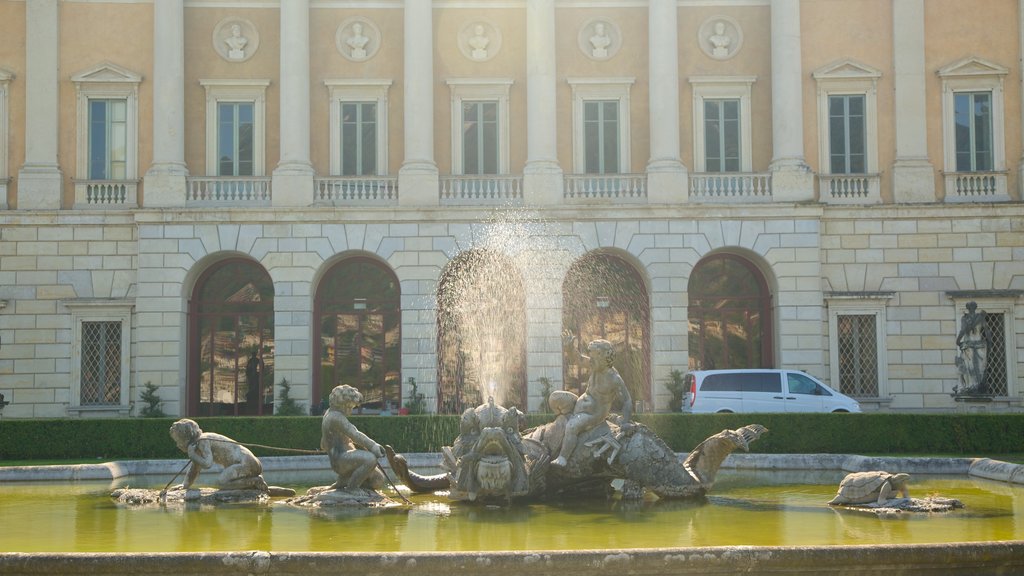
{"x":101,"y":363}
{"x":858,"y":355}
{"x":995,"y":369}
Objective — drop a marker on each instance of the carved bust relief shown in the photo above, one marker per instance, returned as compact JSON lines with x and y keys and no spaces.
{"x":357,"y":39}
{"x":479,"y":41}
{"x":600,"y":39}
{"x":720,"y":37}
{"x":235,"y":39}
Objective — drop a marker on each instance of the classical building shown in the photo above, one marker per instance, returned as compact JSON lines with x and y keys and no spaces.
{"x":215,"y":197}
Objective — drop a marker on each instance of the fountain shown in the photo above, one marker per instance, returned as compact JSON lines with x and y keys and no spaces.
{"x":590,"y":492}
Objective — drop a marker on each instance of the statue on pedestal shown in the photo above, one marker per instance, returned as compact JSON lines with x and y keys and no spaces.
{"x":972,"y":342}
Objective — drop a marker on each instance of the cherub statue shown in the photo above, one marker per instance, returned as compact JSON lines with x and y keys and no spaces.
{"x":242,"y":470}
{"x":595,"y":404}
{"x":353,"y":454}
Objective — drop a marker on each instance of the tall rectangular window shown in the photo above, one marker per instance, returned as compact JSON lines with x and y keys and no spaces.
{"x":973,"y":119}
{"x":601,"y":136}
{"x":235,"y":123}
{"x":722,"y":135}
{"x":101,"y":363}
{"x":358,"y":138}
{"x":857,"y":340}
{"x":108,"y":139}
{"x":480,"y":137}
{"x":847,"y":134}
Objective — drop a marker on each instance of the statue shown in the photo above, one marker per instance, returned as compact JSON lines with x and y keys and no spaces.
{"x":600,"y":41}
{"x":357,"y":42}
{"x":353,"y":454}
{"x":254,"y":376}
{"x":236,"y":43}
{"x":885,"y":494}
{"x":242,"y":470}
{"x":494,"y":460}
{"x":973,"y":342}
{"x":720,"y":41}
{"x":604,"y":388}
{"x":478,"y":42}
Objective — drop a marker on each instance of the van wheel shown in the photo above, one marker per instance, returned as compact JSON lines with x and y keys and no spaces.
{"x":724,"y":412}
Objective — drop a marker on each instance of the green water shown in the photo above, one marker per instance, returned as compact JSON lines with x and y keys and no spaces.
{"x":744,"y":509}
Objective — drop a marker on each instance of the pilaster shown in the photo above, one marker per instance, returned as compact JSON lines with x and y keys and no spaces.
{"x":543,"y":179}
{"x":165,"y":181}
{"x":666,"y":174}
{"x":418,"y":176}
{"x":292,"y":180}
{"x":913,"y":173}
{"x":792,"y":179}
{"x":40,"y":179}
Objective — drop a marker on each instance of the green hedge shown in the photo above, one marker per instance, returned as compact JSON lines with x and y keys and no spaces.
{"x":137,"y":438}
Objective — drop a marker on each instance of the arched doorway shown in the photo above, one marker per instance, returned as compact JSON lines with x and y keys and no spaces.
{"x":231,"y":341}
{"x":357,"y":312}
{"x":730,"y":309}
{"x":481,"y":332}
{"x":604,"y":297}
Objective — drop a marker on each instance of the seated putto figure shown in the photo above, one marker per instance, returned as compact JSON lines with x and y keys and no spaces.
{"x":242,"y":470}
{"x":353,"y":454}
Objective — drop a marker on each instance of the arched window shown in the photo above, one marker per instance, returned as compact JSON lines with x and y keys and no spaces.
{"x":231,"y":341}
{"x":359,"y":334}
{"x":481,"y":333}
{"x":730,"y":315}
{"x":604,"y":297}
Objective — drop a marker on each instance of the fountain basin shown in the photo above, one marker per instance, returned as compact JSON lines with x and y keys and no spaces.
{"x":765,"y":514}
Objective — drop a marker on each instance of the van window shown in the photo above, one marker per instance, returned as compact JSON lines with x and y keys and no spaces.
{"x":800,"y":384}
{"x":743,"y":382}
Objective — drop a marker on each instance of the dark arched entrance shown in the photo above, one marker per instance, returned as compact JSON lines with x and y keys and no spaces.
{"x":357,"y":312}
{"x":730,"y":309}
{"x":231,"y":341}
{"x":604,"y":297}
{"x":481,"y":332}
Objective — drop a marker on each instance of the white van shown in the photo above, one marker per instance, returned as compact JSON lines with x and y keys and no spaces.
{"x":761,"y":390}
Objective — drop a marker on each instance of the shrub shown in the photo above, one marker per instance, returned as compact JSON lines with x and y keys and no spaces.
{"x":416,"y":404}
{"x":152,"y":400}
{"x":675,"y":387}
{"x":286,"y":405}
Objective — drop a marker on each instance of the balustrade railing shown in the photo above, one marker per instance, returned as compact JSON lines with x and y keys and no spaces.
{"x":850,"y":188}
{"x":483,"y":189}
{"x":343,"y":190}
{"x":618,"y":187}
{"x":106,"y":193}
{"x":730,"y":187}
{"x":976,"y":187}
{"x":234,"y":190}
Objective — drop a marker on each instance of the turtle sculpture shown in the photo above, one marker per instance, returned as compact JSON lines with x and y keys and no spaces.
{"x":876,"y":487}
{"x":492,"y":460}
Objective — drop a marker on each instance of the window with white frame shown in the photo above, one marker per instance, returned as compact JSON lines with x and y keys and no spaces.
{"x":107,"y":143}
{"x":101,"y":355}
{"x":721,"y":123}
{"x":972,"y":130}
{"x":235,"y":127}
{"x":5,"y":80}
{"x":847,"y":118}
{"x":1000,"y":371}
{"x":480,"y":125}
{"x":601,"y":125}
{"x":857,"y":351}
{"x":359,"y":120}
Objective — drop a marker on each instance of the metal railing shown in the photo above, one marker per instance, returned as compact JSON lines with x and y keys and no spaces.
{"x":235,"y":190}
{"x":106,"y":193}
{"x":850,"y":188}
{"x":618,"y":187}
{"x":332,"y":190}
{"x":731,"y":187}
{"x":482,"y":189}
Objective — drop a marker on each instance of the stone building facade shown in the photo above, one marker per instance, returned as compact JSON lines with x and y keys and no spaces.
{"x":381,"y":192}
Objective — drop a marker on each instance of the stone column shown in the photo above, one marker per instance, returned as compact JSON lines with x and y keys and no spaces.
{"x":792,"y":179}
{"x":165,"y":183}
{"x":1020,"y":44}
{"x":418,"y":176}
{"x":542,"y":176}
{"x":40,"y":179}
{"x":292,"y":182}
{"x":913,"y":174}
{"x":666,"y":174}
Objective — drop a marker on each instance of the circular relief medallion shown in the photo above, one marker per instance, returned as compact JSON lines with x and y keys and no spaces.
{"x":235,"y":39}
{"x":720,"y":37}
{"x":600,"y":39}
{"x":358,"y":39}
{"x":479,"y":41}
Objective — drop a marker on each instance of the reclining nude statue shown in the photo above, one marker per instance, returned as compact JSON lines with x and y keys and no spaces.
{"x":493,"y":460}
